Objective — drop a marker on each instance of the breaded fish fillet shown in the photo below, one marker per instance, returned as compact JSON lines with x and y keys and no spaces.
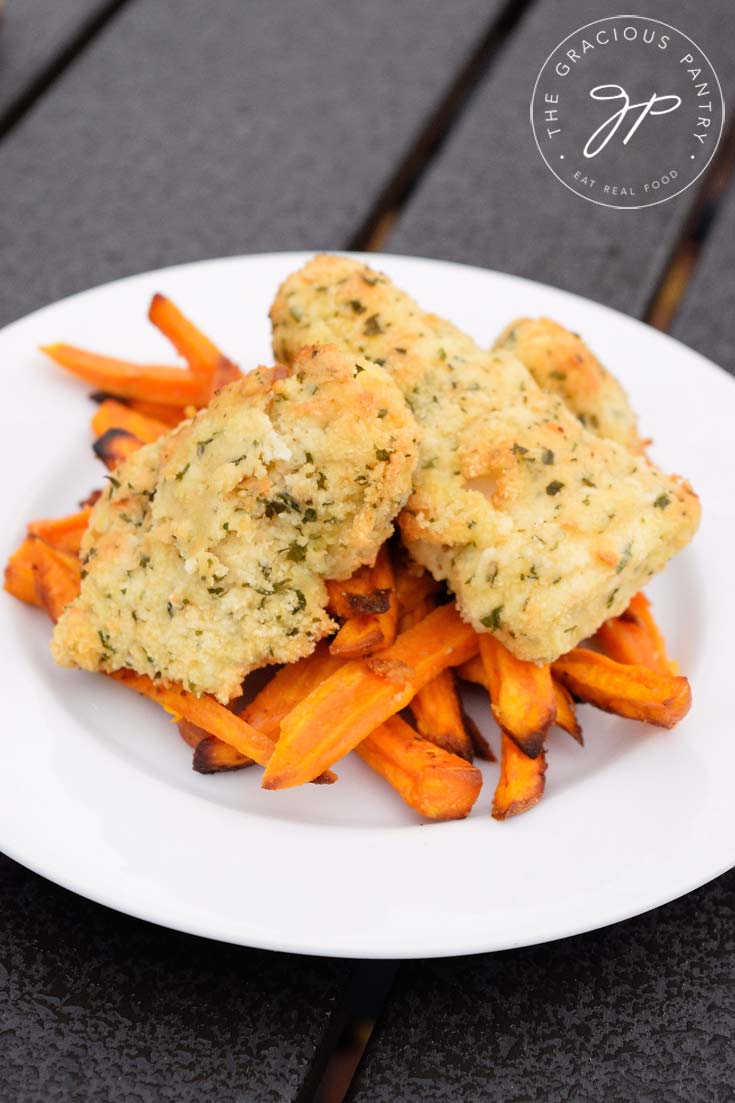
{"x":206,"y":556}
{"x":561,"y":362}
{"x":541,"y":529}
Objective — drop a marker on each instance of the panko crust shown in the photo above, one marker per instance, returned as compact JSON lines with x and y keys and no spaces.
{"x":562,"y":363}
{"x":542,"y":529}
{"x":206,"y":556}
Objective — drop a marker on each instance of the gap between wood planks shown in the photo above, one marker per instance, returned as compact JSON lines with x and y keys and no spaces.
{"x":678,"y":271}
{"x":18,"y":108}
{"x":380,"y":219}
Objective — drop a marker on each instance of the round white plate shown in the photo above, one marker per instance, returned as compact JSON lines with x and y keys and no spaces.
{"x":96,"y":787}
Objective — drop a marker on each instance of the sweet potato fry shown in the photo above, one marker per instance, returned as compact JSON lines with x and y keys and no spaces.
{"x":212,"y":756}
{"x":438,"y":714}
{"x":290,"y":685}
{"x":92,"y":498}
{"x":627,"y":690}
{"x":413,"y":586}
{"x":521,"y":695}
{"x":480,"y":744}
{"x":363,"y":694}
{"x":436,"y":708}
{"x":191,"y":734}
{"x":170,"y":416}
{"x":473,"y":671}
{"x":205,"y":712}
{"x":201,"y":354}
{"x":64,"y":533}
{"x":20,"y":580}
{"x":634,"y":637}
{"x":116,"y":415}
{"x":150,"y":382}
{"x":57,"y":576}
{"x":566,"y":716}
{"x":115,"y":446}
{"x":372,"y":618}
{"x":522,"y":780}
{"x":566,"y":713}
{"x":436,"y":784}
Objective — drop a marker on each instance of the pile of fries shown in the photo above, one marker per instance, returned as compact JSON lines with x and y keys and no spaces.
{"x":387,"y":684}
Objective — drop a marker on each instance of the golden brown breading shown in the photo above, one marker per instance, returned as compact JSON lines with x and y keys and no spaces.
{"x":206,"y":556}
{"x":561,"y":362}
{"x":541,"y":529}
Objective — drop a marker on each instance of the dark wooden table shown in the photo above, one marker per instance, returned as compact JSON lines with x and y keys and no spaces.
{"x":138,"y":133}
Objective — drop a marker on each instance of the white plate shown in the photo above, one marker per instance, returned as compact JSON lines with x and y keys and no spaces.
{"x":96,"y":787}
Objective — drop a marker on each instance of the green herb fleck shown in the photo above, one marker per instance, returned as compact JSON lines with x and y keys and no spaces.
{"x":296,"y":552}
{"x":180,"y":474}
{"x":625,"y":559}
{"x":492,"y":620}
{"x":554,"y":487}
{"x":547,"y":456}
{"x":372,"y":326}
{"x":662,"y":501}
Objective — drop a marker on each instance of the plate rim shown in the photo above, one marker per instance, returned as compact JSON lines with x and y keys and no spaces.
{"x":302,"y":945}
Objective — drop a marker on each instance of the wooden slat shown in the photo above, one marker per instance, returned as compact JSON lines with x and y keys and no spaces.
{"x":97,"y":1006}
{"x":182,"y":134}
{"x":705,"y":318}
{"x":489,"y":199}
{"x":34,"y":35}
{"x":640,"y":1012}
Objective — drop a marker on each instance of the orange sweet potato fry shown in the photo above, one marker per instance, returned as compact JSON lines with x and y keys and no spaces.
{"x":201,"y":354}
{"x":634,"y":637}
{"x":439,"y":718}
{"x":473,"y":671}
{"x":372,"y":610}
{"x":212,"y":756}
{"x":363,"y":694}
{"x":627,"y":690}
{"x":115,"y":446}
{"x":521,"y":694}
{"x":191,"y":734}
{"x":116,"y":415}
{"x":480,"y":744}
{"x":204,"y":712}
{"x":150,"y":382}
{"x":566,"y":713}
{"x":64,"y":533}
{"x":20,"y":580}
{"x":57,"y":576}
{"x":522,"y":780}
{"x":290,"y":685}
{"x":436,"y":784}
{"x":414,"y":586}
{"x":436,"y":708}
{"x":170,"y":416}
